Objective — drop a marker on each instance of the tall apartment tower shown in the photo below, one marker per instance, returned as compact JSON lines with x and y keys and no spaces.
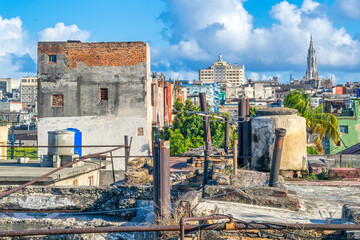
{"x":311,"y":70}
{"x":221,"y":72}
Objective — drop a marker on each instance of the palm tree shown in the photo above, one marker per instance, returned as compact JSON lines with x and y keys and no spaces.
{"x":317,"y":122}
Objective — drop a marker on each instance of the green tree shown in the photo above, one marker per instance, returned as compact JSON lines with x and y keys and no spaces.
{"x":187,"y":129}
{"x":317,"y":122}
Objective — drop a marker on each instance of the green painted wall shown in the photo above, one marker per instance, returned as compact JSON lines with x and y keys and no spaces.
{"x":347,"y":139}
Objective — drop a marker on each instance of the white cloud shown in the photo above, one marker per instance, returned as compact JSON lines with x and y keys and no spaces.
{"x":63,"y":33}
{"x":198,"y":32}
{"x":182,"y":75}
{"x":14,"y":48}
{"x":350,"y":8}
{"x":288,"y":14}
{"x":309,"y":6}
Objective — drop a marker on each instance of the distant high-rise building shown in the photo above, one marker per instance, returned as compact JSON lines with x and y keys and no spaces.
{"x":29,"y":90}
{"x":311,"y":71}
{"x":221,"y":72}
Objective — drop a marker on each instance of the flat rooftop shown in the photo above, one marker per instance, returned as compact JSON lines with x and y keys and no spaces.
{"x":15,"y":173}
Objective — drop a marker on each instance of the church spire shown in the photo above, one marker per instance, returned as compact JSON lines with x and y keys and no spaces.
{"x":311,"y":71}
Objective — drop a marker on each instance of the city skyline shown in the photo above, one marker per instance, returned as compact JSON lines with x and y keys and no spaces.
{"x":187,"y":36}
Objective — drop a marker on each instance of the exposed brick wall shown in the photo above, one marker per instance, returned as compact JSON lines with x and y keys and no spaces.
{"x":51,"y":49}
{"x":98,"y":54}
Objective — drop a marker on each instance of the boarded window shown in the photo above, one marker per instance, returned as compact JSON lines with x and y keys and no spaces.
{"x":75,"y":182}
{"x":140,"y":131}
{"x":52,"y":58}
{"x":104,"y":94}
{"x":57,"y":100}
{"x":91,"y":181}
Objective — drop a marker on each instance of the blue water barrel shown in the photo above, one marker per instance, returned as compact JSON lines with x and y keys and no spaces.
{"x":77,"y":140}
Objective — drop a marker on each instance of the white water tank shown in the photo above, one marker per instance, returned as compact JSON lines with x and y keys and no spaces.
{"x":61,"y":138}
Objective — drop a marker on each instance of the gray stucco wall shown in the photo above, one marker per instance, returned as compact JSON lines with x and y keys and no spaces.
{"x":101,"y":122}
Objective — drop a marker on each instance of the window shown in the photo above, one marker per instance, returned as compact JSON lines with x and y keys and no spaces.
{"x":57,"y":100}
{"x":75,"y":182}
{"x":344,"y":129}
{"x":103,"y":94}
{"x":23,"y":80}
{"x":52,"y":58}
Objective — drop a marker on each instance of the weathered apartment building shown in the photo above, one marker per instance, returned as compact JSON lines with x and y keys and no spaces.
{"x":103,"y":89}
{"x":28,"y":93}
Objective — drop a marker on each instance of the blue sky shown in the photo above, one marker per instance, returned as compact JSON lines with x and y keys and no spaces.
{"x":186,"y":35}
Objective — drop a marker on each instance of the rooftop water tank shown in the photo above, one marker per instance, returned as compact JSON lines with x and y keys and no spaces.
{"x":61,"y":138}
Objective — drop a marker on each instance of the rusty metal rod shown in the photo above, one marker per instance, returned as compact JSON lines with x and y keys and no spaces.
{"x":76,"y":159}
{"x":275,"y":165}
{"x":183,"y":220}
{"x":84,"y":146}
{"x":154,"y":228}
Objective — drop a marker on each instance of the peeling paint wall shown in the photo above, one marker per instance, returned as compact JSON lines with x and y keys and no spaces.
{"x":294,"y":155}
{"x":80,"y":72}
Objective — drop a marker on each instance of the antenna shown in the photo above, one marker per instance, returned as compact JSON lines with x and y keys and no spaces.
{"x":260,"y":67}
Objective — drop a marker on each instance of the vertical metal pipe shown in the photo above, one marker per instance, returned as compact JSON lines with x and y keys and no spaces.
{"x":161,"y":183}
{"x":247,"y":107}
{"x":112,"y":165}
{"x":227,"y":134}
{"x":275,"y":165}
{"x":127,"y":151}
{"x":235,"y":157}
{"x":156,"y":179}
{"x":165,"y":180}
{"x":182,"y":229}
{"x":240,"y":131}
{"x":12,"y":141}
{"x":207,"y":137}
{"x":246,"y":141}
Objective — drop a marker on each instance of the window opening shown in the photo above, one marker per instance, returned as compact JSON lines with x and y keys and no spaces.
{"x":104,"y":94}
{"x":52,"y":58}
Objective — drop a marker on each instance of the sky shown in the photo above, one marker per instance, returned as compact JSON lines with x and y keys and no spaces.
{"x":188,"y":35}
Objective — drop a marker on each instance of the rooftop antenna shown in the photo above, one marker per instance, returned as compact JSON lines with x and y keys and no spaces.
{"x":260,"y":67}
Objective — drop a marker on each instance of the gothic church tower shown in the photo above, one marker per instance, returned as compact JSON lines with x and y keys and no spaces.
{"x":311,"y":71}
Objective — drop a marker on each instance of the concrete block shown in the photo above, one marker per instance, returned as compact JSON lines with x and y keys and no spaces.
{"x":343,"y":173}
{"x":47,"y":161}
{"x":268,"y":198}
{"x":23,"y":160}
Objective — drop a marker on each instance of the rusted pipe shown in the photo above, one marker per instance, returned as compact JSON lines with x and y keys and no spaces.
{"x":85,"y":146}
{"x":76,"y":160}
{"x":154,"y":228}
{"x":235,"y":156}
{"x":183,"y":220}
{"x":207,"y":138}
{"x":275,"y":165}
{"x":227,"y":134}
{"x":127,"y":152}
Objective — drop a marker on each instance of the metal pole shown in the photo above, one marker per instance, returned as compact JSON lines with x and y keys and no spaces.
{"x":165,"y":180}
{"x":235,"y":157}
{"x":127,"y":152}
{"x":246,"y":141}
{"x":227,"y":134}
{"x":161,"y":182}
{"x":207,"y":137}
{"x":211,"y":227}
{"x":112,"y":165}
{"x":12,"y":141}
{"x":275,"y":165}
{"x":241,"y":114}
{"x":156,"y":179}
